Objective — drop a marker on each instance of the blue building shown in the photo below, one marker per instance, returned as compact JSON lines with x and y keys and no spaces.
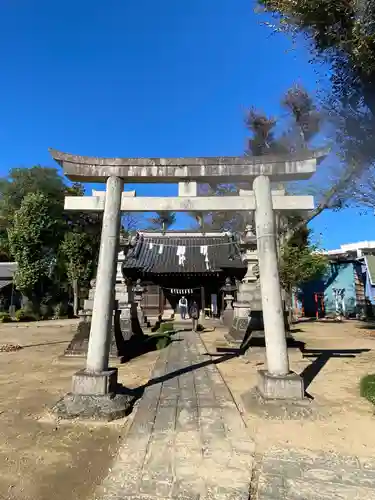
{"x":368,"y":267}
{"x":319,"y":295}
{"x":351,"y":271}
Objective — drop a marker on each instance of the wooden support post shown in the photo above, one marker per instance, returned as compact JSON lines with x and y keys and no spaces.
{"x":161,"y":301}
{"x":203,"y":304}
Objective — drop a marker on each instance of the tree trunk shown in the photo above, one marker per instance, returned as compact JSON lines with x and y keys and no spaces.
{"x":289,"y":304}
{"x":75,"y":297}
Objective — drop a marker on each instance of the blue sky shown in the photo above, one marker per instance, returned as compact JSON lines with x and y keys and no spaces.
{"x":145,"y":78}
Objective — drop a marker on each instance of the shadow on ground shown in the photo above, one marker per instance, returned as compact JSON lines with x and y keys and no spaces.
{"x":45,"y":344}
{"x":251,"y":340}
{"x":367,"y":326}
{"x":322,"y":356}
{"x":138,"y":392}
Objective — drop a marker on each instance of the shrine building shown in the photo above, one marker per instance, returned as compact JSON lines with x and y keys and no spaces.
{"x":189,"y":263}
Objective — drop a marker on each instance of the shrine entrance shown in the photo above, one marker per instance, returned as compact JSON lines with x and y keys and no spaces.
{"x":208,"y":260}
{"x":173,"y":295}
{"x":277,"y":381}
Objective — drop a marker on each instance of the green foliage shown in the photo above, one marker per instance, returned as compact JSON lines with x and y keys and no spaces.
{"x":24,"y":181}
{"x":79,"y":255}
{"x":163,"y":341}
{"x":340,"y":30}
{"x":76,"y":189}
{"x":158,"y":341}
{"x":16,"y":186}
{"x":300,"y":238}
{"x":165,"y":327}
{"x":5,"y":317}
{"x":367,"y":388}
{"x":4,"y":246}
{"x":299,"y":262}
{"x":23,"y":316}
{"x":32,"y":226}
{"x":79,"y":251}
{"x":342,"y":34}
{"x":33,"y":241}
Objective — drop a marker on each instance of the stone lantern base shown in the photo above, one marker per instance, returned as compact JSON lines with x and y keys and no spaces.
{"x":248,"y":316}
{"x":79,"y":344}
{"x":251,"y":325}
{"x":122,"y":330}
{"x":227,"y":317}
{"x":247,"y":313}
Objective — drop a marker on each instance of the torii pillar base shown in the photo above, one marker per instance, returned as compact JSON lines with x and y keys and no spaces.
{"x":289,"y":386}
{"x":95,"y":396}
{"x":278,"y":398}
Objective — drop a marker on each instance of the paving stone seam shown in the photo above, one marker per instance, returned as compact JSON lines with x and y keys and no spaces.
{"x":240,"y":412}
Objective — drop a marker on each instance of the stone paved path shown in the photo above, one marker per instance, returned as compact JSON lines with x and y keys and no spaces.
{"x":188,"y":440}
{"x":296,"y":475}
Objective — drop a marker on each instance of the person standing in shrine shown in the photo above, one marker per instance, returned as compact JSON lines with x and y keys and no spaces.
{"x":194,"y":314}
{"x":183,"y":306}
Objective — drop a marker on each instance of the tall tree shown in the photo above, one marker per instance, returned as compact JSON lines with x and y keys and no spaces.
{"x":299,"y":263}
{"x":342,"y":34}
{"x":34,"y":238}
{"x":78,"y":233}
{"x":79,"y":249}
{"x":22,"y":181}
{"x":268,"y":135}
{"x":19,"y":183}
{"x":80,"y":257}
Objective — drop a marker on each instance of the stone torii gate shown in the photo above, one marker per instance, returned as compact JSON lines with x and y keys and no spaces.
{"x":94,"y":388}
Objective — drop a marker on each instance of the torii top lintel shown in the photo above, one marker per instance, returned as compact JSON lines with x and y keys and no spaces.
{"x":207,"y":169}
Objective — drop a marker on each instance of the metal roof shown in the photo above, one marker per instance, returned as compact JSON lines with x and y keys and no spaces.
{"x":4,"y":283}
{"x":158,"y":254}
{"x":370,"y":264}
{"x":7,"y":270}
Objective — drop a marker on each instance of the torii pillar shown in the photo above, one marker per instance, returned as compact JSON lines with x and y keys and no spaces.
{"x":277,"y":382}
{"x":94,"y":393}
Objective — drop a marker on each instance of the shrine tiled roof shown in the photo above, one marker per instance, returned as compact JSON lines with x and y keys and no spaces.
{"x":183,"y":254}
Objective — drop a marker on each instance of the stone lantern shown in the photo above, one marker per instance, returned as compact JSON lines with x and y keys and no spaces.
{"x":248,"y":247}
{"x":138,"y":291}
{"x":228,"y":290}
{"x":249,"y":302}
{"x":122,"y":282}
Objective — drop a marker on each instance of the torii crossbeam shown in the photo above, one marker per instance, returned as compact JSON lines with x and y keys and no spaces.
{"x":132,"y":203}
